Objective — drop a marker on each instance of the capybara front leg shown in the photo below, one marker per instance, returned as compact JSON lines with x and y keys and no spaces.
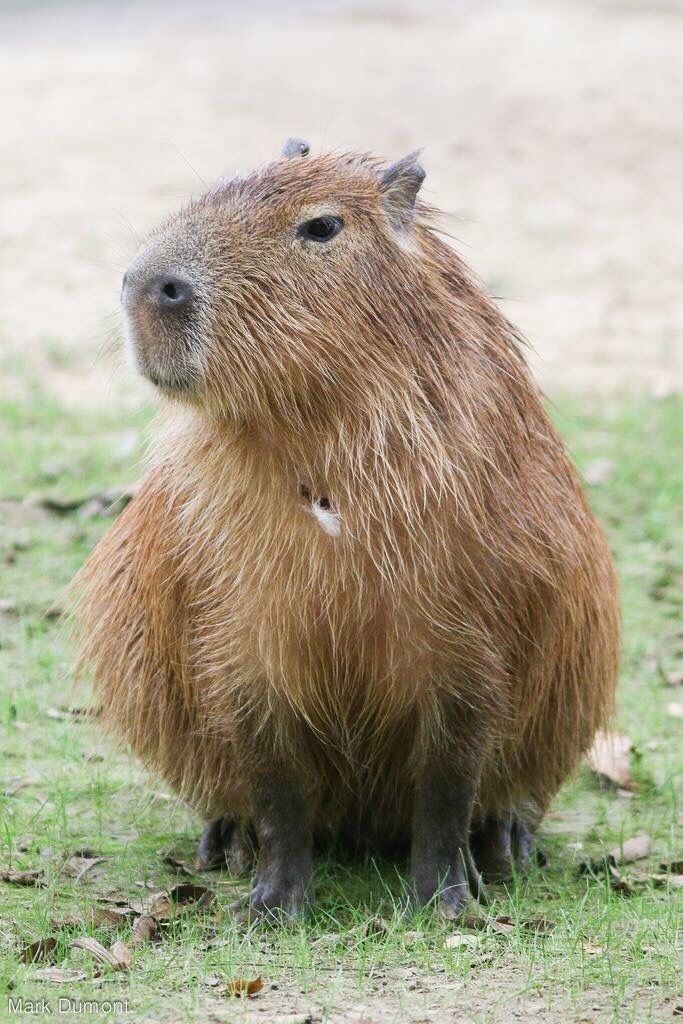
{"x":279,"y":815}
{"x":226,"y":842}
{"x":442,"y":868}
{"x":282,"y":884}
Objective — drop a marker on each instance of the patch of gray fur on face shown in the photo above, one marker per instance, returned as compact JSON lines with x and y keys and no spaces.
{"x":328,"y":519}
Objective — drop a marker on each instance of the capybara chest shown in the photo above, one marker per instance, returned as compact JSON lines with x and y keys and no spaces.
{"x":304,"y":610}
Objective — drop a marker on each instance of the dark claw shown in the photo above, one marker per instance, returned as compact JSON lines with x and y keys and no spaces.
{"x":279,"y":898}
{"x":226,"y":842}
{"x":282,"y":889}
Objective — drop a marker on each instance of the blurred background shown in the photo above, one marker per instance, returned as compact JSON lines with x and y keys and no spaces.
{"x":552,"y":135}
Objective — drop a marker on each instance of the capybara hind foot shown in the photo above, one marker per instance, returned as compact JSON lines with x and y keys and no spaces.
{"x":227,"y":842}
{"x":502,"y":845}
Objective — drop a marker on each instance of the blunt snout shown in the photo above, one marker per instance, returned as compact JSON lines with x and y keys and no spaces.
{"x":158,"y":305}
{"x":166,"y":291}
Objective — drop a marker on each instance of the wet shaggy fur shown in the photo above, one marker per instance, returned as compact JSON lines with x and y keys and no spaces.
{"x":466,"y":606}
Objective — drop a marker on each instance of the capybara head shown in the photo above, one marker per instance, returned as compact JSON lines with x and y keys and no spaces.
{"x":278,"y":293}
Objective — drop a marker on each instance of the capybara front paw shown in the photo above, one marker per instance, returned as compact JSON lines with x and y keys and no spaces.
{"x":281,"y":895}
{"x":446,"y":887}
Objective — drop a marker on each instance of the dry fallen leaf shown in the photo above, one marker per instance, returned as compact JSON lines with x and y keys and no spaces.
{"x":92,"y":945}
{"x":609,"y":759}
{"x":34,"y":878}
{"x":61,"y":506}
{"x":16,"y":784}
{"x":188,"y":893}
{"x":240,"y":987}
{"x":100,"y":952}
{"x":122,"y":956}
{"x":376,"y":926}
{"x":94,"y":917}
{"x":163,"y":904}
{"x":459,"y":939}
{"x":631,"y":849}
{"x":592,"y":948}
{"x":62,"y":713}
{"x":178,"y":865}
{"x":619,"y":884}
{"x":118,"y":903}
{"x":41,"y":949}
{"x":78,"y":867}
{"x":670,"y":880}
{"x":158,"y":907}
{"x":105,"y":504}
{"x":144,"y":929}
{"x":79,"y":712}
{"x":503,"y":924}
{"x":58,"y":976}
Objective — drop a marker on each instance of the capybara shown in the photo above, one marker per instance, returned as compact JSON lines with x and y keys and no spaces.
{"x":359,"y":596}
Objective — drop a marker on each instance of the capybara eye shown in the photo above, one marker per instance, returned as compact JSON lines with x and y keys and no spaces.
{"x":321,"y":229}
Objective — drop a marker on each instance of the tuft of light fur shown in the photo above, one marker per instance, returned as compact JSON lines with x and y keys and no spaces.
{"x":328,"y":520}
{"x":469,"y":567}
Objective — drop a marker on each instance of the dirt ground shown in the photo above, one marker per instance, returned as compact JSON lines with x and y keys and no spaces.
{"x":552,"y":139}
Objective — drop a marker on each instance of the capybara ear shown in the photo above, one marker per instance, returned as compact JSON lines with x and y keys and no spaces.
{"x":399,"y":185}
{"x":295,"y":147}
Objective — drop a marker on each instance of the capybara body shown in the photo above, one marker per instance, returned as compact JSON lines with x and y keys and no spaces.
{"x":360,"y":593}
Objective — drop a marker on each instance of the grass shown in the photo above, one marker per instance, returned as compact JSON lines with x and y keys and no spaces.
{"x":606,"y":957}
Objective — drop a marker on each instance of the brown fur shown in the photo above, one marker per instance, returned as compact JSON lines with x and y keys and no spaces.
{"x":468,"y":568}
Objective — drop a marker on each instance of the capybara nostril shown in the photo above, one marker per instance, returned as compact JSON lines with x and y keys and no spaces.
{"x":169,"y":291}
